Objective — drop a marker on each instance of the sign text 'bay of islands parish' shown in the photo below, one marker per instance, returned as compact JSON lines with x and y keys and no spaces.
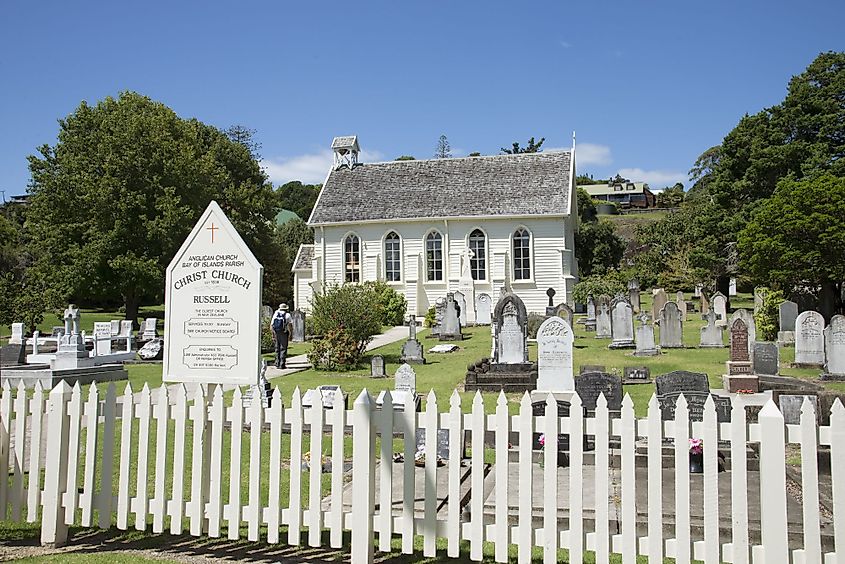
{"x":213,"y":306}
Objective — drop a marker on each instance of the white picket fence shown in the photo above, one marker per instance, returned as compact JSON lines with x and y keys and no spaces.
{"x":71,"y":484}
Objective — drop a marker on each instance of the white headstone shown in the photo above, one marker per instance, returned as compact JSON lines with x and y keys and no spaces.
{"x":212,"y":302}
{"x":483,"y":309}
{"x":406,"y":379}
{"x":17,"y":334}
{"x":732,"y":287}
{"x":150,"y":331}
{"x":102,"y":337}
{"x":603,"y":322}
{"x":126,"y":328}
{"x":115,"y":327}
{"x":809,"y":338}
{"x":720,"y":306}
{"x":554,"y":356}
{"x":835,"y":347}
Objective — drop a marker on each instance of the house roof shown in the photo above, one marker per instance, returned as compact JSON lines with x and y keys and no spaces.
{"x":608,"y":189}
{"x":284,"y":216}
{"x":506,"y":185}
{"x":303,"y":259}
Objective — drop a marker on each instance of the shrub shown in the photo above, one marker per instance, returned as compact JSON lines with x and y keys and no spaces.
{"x":393,"y":304}
{"x":596,"y":286}
{"x":430,"y":317}
{"x":351,"y":309}
{"x":534,"y":322}
{"x":336,"y":350}
{"x":767,"y":317}
{"x":267,"y":344}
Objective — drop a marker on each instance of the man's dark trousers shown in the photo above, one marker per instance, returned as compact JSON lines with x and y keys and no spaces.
{"x":281,"y":348}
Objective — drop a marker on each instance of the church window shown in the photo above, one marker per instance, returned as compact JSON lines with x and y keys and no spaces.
{"x":392,"y":260}
{"x":478,"y":262}
{"x":352,"y":258}
{"x":434,"y":256}
{"x":521,"y":254}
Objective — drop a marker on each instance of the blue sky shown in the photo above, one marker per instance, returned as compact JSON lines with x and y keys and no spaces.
{"x":647,"y":86}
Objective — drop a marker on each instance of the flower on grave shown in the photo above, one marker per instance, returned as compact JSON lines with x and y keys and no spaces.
{"x":542,"y":441}
{"x":696,"y":446}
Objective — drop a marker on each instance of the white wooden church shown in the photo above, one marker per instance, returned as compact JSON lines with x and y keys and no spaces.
{"x":428,"y":227}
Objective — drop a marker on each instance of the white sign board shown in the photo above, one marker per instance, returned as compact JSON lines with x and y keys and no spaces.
{"x":212,"y":316}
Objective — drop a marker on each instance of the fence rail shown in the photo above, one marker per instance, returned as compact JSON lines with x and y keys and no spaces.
{"x":96,"y":459}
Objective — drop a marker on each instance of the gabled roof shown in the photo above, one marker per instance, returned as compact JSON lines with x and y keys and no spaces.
{"x":532,"y":184}
{"x":303,"y":259}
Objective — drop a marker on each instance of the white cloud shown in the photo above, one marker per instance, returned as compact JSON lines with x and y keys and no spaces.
{"x":565,"y":44}
{"x":655,"y":178}
{"x":310,"y":169}
{"x":592,"y":154}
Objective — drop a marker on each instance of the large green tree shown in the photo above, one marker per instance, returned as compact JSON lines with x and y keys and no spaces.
{"x":115,"y":197}
{"x":797,"y":238}
{"x":530,"y":147}
{"x":299,"y":198}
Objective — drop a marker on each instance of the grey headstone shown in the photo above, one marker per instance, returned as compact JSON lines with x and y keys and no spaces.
{"x":483,"y":309}
{"x":695,"y":404}
{"x":554,"y":356}
{"x":659,"y":300}
{"x":621,"y":324}
{"x":298,"y":322}
{"x":711,"y":334}
{"x":603,"y":330}
{"x":835,"y":347}
{"x":565,"y":312}
{"x":377,"y":367}
{"x":704,"y":305}
{"x":327,"y":395}
{"x":442,"y":442}
{"x":765,"y":359}
{"x":634,"y":294}
{"x":511,"y":321}
{"x":412,"y":352}
{"x":450,"y":327}
{"x":590,"y":385}
{"x":591,"y":307}
{"x":697,"y":291}
{"x":790,"y":406}
{"x":787,"y":314}
{"x":645,"y":338}
{"x":681,"y":381}
{"x":809,"y":338}
{"x":406,"y":379}
{"x":671,"y":327}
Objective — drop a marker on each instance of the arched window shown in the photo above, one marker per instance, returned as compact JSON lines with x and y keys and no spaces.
{"x":521,"y":254}
{"x":352,"y":258}
{"x":478,"y":262}
{"x":392,"y":260}
{"x":434,"y":256}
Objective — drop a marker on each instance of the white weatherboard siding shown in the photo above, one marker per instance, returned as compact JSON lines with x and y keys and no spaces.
{"x":551,"y":262}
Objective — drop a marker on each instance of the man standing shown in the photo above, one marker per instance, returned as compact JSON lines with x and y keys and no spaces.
{"x":281,"y":324}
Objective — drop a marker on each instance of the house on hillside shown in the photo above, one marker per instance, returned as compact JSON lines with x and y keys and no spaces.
{"x":628,"y":194}
{"x":428,"y":227}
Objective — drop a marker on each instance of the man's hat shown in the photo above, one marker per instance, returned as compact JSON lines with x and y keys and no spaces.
{"x":283,"y":307}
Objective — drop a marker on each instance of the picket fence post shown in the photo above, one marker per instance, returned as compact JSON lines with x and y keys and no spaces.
{"x":363,"y":477}
{"x":773,"y":531}
{"x":53,"y":527}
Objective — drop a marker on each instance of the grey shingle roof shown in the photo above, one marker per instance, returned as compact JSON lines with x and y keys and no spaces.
{"x":343,"y":142}
{"x":526,"y":184}
{"x":303,"y":257}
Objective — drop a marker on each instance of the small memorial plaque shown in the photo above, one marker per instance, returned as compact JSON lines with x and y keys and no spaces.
{"x":590,"y":385}
{"x":637,"y":375}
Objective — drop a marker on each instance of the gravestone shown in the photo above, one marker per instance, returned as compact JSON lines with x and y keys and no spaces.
{"x":584,"y":368}
{"x":102,"y":337}
{"x":125,"y":328}
{"x":682,"y":306}
{"x":637,"y":375}
{"x":565,"y":312}
{"x":759,"y":294}
{"x":439,"y":308}
{"x":461,"y":302}
{"x":671,"y":327}
{"x":450,"y":326}
{"x":603,"y":322}
{"x":835,"y":349}
{"x":790,"y":406}
{"x":17,"y":334}
{"x":695,"y":404}
{"x":466,"y":289}
{"x":732,"y":287}
{"x":483,"y":309}
{"x":590,"y":321}
{"x":634,"y":294}
{"x":114,"y":327}
{"x":645,"y":338}
{"x":704,"y":304}
{"x":412,"y":350}
{"x":765,"y":360}
{"x":696,"y":293}
{"x":720,"y":306}
{"x":621,"y":325}
{"x":511,"y":320}
{"x":538,"y":409}
{"x":681,"y":381}
{"x":554,"y":356}
{"x":711,"y":334}
{"x":442,"y":442}
{"x":377,"y":367}
{"x":809,"y":339}
{"x":590,"y":385}
{"x":152,"y":350}
{"x":405,"y":379}
{"x":787,"y":314}
{"x":149,"y":329}
{"x":266,"y":312}
{"x":739,"y":368}
{"x":327,"y":395}
{"x":659,"y":300}
{"x":298,"y":322}
{"x":550,"y":292}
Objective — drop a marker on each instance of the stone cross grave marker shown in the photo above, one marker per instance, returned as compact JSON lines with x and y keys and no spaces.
{"x":483,"y":309}
{"x":809,"y":338}
{"x":671,"y":327}
{"x":412,"y":350}
{"x":765,"y":359}
{"x":554,"y":356}
{"x":711,"y":334}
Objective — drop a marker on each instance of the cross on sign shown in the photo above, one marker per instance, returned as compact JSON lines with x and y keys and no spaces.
{"x":212,"y":229}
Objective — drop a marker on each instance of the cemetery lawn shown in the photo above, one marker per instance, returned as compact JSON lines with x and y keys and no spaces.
{"x":89,"y":317}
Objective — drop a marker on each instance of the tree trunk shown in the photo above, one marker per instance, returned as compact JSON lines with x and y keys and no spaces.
{"x":829,"y":299}
{"x":132,"y":305}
